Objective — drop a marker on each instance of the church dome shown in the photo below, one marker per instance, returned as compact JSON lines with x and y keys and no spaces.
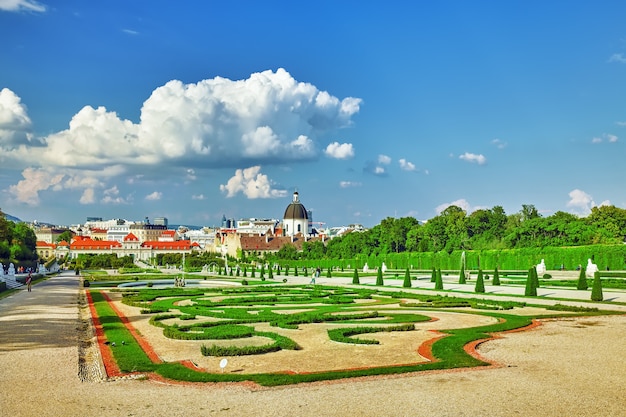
{"x":295,"y":210}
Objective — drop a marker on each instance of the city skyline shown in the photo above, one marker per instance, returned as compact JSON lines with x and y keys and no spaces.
{"x":369,"y":111}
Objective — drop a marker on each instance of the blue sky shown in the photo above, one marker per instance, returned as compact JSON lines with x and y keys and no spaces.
{"x":197,"y":109}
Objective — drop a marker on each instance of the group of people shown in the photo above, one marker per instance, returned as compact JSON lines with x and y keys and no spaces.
{"x":317,"y":273}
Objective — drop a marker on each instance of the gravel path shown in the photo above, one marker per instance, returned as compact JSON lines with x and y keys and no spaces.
{"x":567,"y":367}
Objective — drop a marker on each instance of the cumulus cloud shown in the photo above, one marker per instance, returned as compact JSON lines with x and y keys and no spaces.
{"x":88,"y":196}
{"x":374,"y":169}
{"x":348,"y":184}
{"x":268,"y":118}
{"x":610,"y":138}
{"x":22,"y":5}
{"x":251,"y":183}
{"x":339,"y":150}
{"x":462,"y":203}
{"x":112,"y":196}
{"x":406,"y":165}
{"x":15,"y":125}
{"x":154,"y":196}
{"x":475,"y":158}
{"x":384,"y":159}
{"x":581,"y":202}
{"x":35,"y":180}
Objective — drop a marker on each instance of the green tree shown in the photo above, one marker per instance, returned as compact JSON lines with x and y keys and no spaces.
{"x":462,"y":279}
{"x":438,"y":280}
{"x":379,"y":277}
{"x":530,"y":289}
{"x":596,"y":289}
{"x":480,"y":283}
{"x":407,"y":279}
{"x":582,"y":280}
{"x":355,"y":277}
{"x":67,"y":236}
{"x":496,"y":277}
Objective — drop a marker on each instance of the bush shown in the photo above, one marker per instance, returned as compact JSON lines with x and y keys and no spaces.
{"x":407,"y":279}
{"x":355,"y":277}
{"x":582,"y":280}
{"x":244,"y":282}
{"x":438,"y":280}
{"x":480,"y":283}
{"x":496,"y":277}
{"x":547,"y":276}
{"x":86,"y":283}
{"x":596,"y":289}
{"x":149,"y":284}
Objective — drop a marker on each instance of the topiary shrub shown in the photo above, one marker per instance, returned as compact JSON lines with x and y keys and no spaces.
{"x":462,"y":275}
{"x":244,"y":282}
{"x":407,"y":279}
{"x":530,"y":290}
{"x":547,"y":276}
{"x":355,"y":277}
{"x":480,"y":283}
{"x":596,"y":289}
{"x":582,"y":280}
{"x":496,"y":277}
{"x":438,"y":280}
{"x":379,"y":277}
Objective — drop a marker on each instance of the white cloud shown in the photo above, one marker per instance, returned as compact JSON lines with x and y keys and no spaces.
{"x":339,"y":150}
{"x":112,"y":196}
{"x":462,"y":203}
{"x":471,"y":157}
{"x":191,"y":174}
{"x":348,"y":184}
{"x":384,"y":159}
{"x":268,"y":118}
{"x":618,"y":58}
{"x":500,"y":144}
{"x":88,"y":196}
{"x":252,"y":183}
{"x":21,"y":5}
{"x":610,"y":138}
{"x":621,"y":124}
{"x":130,"y":32}
{"x":15,"y":125}
{"x":156,"y":195}
{"x":198,"y":197}
{"x":580,"y":202}
{"x":406,"y":165}
{"x":35,"y":180}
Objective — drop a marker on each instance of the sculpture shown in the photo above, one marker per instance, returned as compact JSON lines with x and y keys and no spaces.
{"x":591,"y":269}
{"x":541,"y":268}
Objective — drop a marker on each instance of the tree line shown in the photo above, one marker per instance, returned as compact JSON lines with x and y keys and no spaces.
{"x":17,"y":242}
{"x":484,"y":229}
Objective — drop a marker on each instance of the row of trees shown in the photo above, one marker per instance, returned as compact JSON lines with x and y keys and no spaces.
{"x":485,"y":229}
{"x":18,"y":242}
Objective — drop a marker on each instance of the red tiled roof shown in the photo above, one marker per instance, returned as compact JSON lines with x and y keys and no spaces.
{"x":87,"y":243}
{"x":41,"y":243}
{"x":169,"y":233}
{"x":131,"y":238}
{"x":177,"y":245}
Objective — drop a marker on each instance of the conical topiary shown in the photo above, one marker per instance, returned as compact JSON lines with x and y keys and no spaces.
{"x":407,"y":279}
{"x":253,"y":273}
{"x":262,"y":275}
{"x":379,"y":277}
{"x":582,"y":280}
{"x":480,"y":282}
{"x":496,"y":277}
{"x":433,"y":276}
{"x":286,"y":270}
{"x":245,"y":272}
{"x":270,"y":273}
{"x":328,"y":273}
{"x":596,"y":288}
{"x":530,"y":289}
{"x":462,"y":279}
{"x":438,"y":280}
{"x":295,"y":273}
{"x":535,"y":278}
{"x":355,"y":277}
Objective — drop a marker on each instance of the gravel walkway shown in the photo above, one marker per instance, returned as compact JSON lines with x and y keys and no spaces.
{"x":567,"y":367}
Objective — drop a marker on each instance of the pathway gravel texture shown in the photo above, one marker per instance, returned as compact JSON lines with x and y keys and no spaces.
{"x":565,"y":367}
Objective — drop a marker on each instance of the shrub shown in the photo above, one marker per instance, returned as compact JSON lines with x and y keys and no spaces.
{"x":328,"y":273}
{"x":582,"y":280}
{"x":379,"y":277}
{"x":438,"y":280}
{"x":244,"y":282}
{"x":547,"y":276}
{"x":496,"y":277}
{"x":596,"y":289}
{"x":480,"y":283}
{"x":433,"y":276}
{"x":531,"y":289}
{"x":149,"y":284}
{"x":407,"y":279}
{"x":355,"y":277}
{"x":462,"y":279}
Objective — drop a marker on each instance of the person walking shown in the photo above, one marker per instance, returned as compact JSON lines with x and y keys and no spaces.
{"x":29,"y":281}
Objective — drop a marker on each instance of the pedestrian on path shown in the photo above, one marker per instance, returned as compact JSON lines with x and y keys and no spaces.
{"x":29,"y":281}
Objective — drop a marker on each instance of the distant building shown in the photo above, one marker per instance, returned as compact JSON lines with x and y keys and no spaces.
{"x":160,"y":221}
{"x":296,"y":218}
